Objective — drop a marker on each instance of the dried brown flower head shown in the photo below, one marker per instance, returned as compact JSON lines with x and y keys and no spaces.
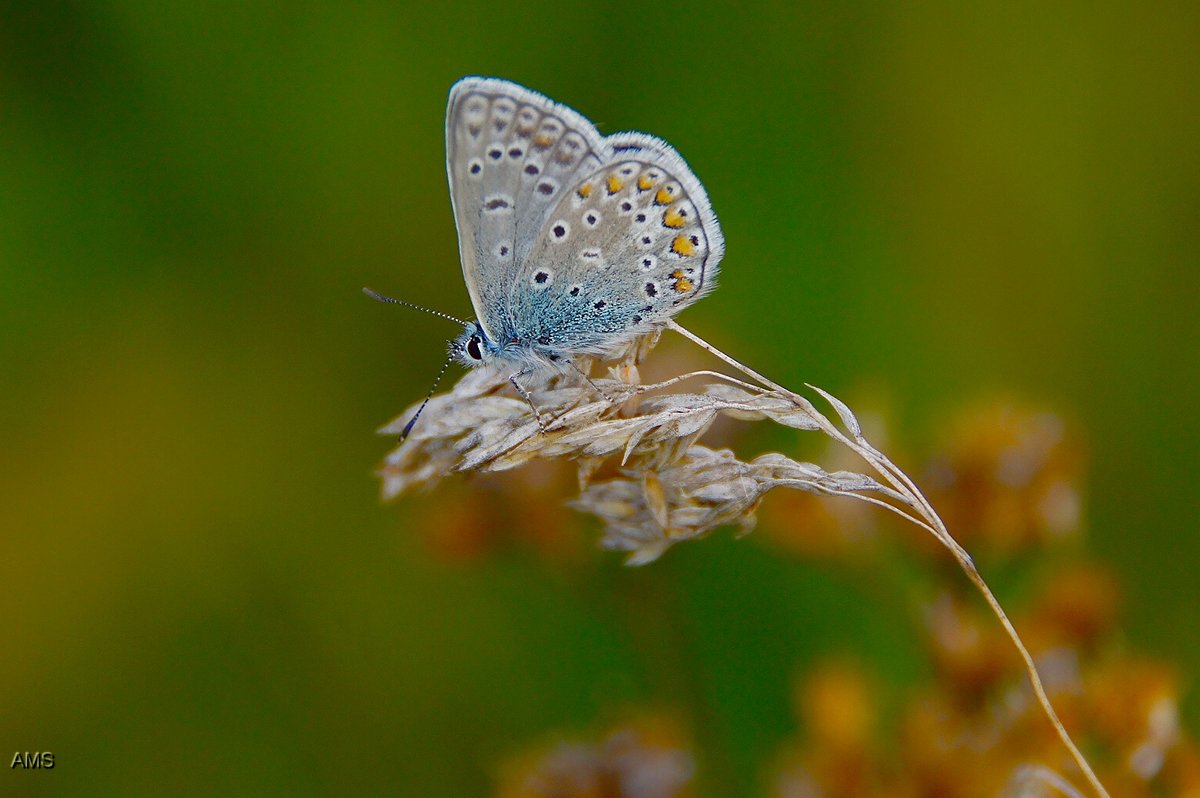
{"x":975,"y":731}
{"x":1008,"y":477}
{"x":644,"y":759}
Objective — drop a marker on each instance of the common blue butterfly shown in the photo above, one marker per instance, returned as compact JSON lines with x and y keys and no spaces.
{"x":572,"y":243}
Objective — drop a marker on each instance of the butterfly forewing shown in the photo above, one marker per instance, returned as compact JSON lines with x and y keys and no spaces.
{"x":512,"y":155}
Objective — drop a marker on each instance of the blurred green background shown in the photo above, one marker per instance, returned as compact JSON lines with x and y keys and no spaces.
{"x":201,"y":592}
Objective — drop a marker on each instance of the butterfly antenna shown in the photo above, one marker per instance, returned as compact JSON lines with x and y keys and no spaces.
{"x":381,"y":298}
{"x":408,"y":427}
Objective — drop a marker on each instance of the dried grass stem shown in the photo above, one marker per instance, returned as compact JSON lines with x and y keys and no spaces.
{"x":643,"y":472}
{"x":929,"y":520}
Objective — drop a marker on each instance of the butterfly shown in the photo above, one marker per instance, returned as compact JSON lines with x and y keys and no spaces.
{"x":572,"y":243}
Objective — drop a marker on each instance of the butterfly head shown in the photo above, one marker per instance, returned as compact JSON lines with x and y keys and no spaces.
{"x":473,"y":347}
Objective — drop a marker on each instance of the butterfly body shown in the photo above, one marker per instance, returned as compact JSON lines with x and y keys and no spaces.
{"x":572,"y":243}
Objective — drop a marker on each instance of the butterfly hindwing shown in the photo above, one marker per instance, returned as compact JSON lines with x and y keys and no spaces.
{"x":625,"y":248}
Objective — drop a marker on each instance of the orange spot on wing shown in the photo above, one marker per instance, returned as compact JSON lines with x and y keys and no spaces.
{"x":673,"y":218}
{"x":663,"y":197}
{"x":646,"y":182}
{"x":615,"y":184}
{"x":585,"y":191}
{"x":682,"y":246}
{"x":682,"y":284}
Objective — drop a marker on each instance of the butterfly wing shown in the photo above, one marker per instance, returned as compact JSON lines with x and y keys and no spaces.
{"x":625,"y":247}
{"x":511,"y":156}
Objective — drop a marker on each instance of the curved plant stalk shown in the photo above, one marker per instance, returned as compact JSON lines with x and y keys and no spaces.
{"x":925,"y":517}
{"x":666,"y":486}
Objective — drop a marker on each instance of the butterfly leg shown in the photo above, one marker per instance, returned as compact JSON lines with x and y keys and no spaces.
{"x":588,"y":379}
{"x":528,"y":399}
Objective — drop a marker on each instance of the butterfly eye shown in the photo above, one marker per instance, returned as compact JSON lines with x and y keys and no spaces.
{"x":473,"y":348}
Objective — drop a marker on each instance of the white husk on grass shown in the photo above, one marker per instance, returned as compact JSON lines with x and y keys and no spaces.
{"x":642,"y":471}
